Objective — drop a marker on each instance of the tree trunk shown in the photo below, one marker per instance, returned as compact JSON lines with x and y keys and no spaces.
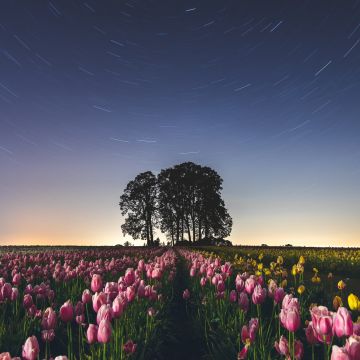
{"x":188,"y":228}
{"x":182,"y":229}
{"x":177,"y":229}
{"x":193,"y":229}
{"x":147,"y":233}
{"x":151,"y":231}
{"x":199,"y":229}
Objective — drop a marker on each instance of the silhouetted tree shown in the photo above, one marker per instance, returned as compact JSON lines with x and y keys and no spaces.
{"x":184,"y":201}
{"x":190,"y":203}
{"x":139,"y":204}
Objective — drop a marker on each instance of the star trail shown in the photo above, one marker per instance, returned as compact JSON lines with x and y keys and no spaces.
{"x":265,"y":92}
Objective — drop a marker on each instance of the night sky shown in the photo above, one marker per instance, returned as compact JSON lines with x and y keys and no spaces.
{"x":265,"y":92}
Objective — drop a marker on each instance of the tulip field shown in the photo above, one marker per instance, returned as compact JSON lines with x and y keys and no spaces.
{"x":180,"y":303}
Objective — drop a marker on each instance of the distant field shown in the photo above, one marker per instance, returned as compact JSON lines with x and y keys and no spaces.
{"x":339,"y":260}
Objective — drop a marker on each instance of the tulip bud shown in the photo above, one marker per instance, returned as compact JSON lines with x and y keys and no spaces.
{"x":186,"y":294}
{"x":129,"y":277}
{"x":129,"y":347}
{"x":96,"y":283}
{"x":86,"y":296}
{"x":117,"y":307}
{"x":258,"y":295}
{"x":67,"y":312}
{"x":343,"y":325}
{"x":104,"y":331}
{"x":30,"y":349}
{"x":354,"y":303}
{"x":233,"y":296}
{"x":49,"y":319}
{"x":91,"y":333}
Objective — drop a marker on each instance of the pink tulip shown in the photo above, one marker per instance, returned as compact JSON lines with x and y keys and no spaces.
{"x":310,"y":333}
{"x":16,"y":279}
{"x":91,"y":333}
{"x":48,"y":335}
{"x":240,"y":285}
{"x":130,"y":294}
{"x":258,"y":295}
{"x":351,"y":350}
{"x":342,"y":324}
{"x":220,"y":286}
{"x":322,"y":321}
{"x":356,"y":328}
{"x":299,"y":350}
{"x":105,"y":312}
{"x":290,"y":302}
{"x":243,"y":301}
{"x":5,"y":356}
{"x":233,"y":296}
{"x":117,"y":307}
{"x":80,"y":319}
{"x":141,"y":290}
{"x":192,"y":272}
{"x":282,"y":347}
{"x":30,"y":349}
{"x":203,"y":281}
{"x":141,"y":265}
{"x":279,"y":295}
{"x":129,"y":277}
{"x":86,"y":296}
{"x":210,"y":272}
{"x":49,"y":319}
{"x":248,"y":332}
{"x":290,"y":319}
{"x":353,"y":347}
{"x":151,"y":312}
{"x":61,"y":357}
{"x":250,"y":284}
{"x":186,"y":294}
{"x":67,"y":312}
{"x":14,"y":294}
{"x":6,"y":291}
{"x":129,"y":347}
{"x":79,"y":308}
{"x":96,"y":283}
{"x":104,"y":331}
{"x":98,"y":299}
{"x":243,"y":353}
{"x":339,"y":353}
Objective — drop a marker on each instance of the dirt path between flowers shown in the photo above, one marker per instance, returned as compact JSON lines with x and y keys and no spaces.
{"x":182,"y":339}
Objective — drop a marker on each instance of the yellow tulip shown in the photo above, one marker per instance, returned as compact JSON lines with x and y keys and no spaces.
{"x":341,"y":285}
{"x":301,"y":289}
{"x":353,"y":301}
{"x":301,"y":260}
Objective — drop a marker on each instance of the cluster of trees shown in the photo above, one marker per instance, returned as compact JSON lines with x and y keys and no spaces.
{"x":184,"y":202}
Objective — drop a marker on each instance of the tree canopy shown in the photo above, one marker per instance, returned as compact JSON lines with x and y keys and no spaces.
{"x":183,"y":201}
